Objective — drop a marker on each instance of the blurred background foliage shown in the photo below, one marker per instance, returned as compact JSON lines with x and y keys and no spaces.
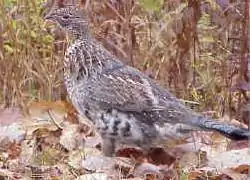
{"x":199,"y":50}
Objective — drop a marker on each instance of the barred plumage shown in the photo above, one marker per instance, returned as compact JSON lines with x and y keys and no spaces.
{"x":125,"y":105}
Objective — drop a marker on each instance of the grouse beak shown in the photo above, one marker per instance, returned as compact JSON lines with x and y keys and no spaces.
{"x":48,"y":16}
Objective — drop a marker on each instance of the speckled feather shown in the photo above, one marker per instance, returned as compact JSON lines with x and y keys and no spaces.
{"x":125,"y":105}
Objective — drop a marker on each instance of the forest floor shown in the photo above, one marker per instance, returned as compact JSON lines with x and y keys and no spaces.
{"x":45,"y":141}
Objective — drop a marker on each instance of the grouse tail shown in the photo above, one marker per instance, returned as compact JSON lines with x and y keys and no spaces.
{"x":228,"y":130}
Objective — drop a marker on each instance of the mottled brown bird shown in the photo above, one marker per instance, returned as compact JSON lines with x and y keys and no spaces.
{"x":125,"y":105}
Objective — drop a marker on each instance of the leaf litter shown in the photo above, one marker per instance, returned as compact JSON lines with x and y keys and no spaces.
{"x":51,"y":141}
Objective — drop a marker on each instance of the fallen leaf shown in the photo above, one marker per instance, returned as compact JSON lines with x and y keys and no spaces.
{"x":229,"y":159}
{"x":234,"y":175}
{"x":27,"y":152}
{"x":11,"y":133}
{"x":76,"y":158}
{"x":7,"y":174}
{"x":93,"y":141}
{"x":244,"y":169}
{"x":14,"y":150}
{"x":72,"y":138}
{"x":160,"y":156}
{"x":98,"y":163}
{"x":148,"y":171}
{"x":192,"y":160}
{"x":234,"y":145}
{"x":130,"y":152}
{"x":93,"y":176}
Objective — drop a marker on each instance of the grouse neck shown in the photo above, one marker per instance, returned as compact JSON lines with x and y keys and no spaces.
{"x":81,"y":35}
{"x":77,"y":37}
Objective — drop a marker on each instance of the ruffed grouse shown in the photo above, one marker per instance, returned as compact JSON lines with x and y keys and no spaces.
{"x":125,"y":105}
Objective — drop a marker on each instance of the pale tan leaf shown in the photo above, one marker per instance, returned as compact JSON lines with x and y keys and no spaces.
{"x":9,"y":115}
{"x":228,"y":159}
{"x":147,"y":168}
{"x":27,"y":153}
{"x":71,"y":138}
{"x":93,"y":176}
{"x":11,"y":133}
{"x":98,"y":163}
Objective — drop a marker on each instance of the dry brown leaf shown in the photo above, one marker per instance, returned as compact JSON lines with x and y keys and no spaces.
{"x":194,"y":175}
{"x":14,"y":150}
{"x":234,"y":175}
{"x":160,"y":156}
{"x":244,"y":169}
{"x":135,"y":153}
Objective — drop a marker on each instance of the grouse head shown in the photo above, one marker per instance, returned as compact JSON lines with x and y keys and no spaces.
{"x":70,"y":19}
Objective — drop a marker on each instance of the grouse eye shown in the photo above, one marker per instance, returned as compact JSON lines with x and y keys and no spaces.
{"x":65,"y":17}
